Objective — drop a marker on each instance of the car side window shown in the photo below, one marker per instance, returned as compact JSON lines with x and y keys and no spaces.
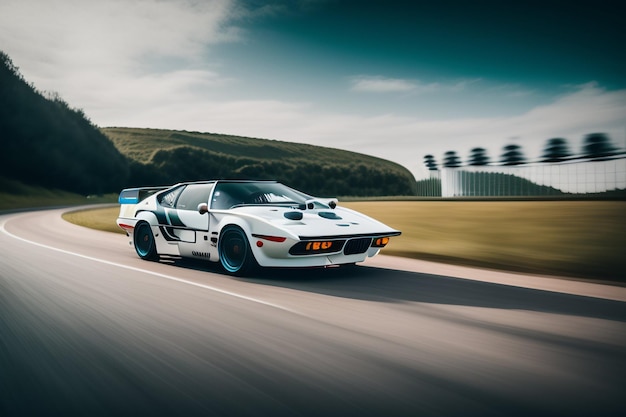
{"x":193,"y":195}
{"x":168,"y":199}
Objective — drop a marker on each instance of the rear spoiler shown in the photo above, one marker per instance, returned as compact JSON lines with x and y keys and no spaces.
{"x":135,"y":195}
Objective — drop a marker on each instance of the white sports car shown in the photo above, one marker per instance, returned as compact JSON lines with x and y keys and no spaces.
{"x":245,"y":224}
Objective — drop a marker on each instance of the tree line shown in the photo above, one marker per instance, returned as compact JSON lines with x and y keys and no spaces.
{"x":186,"y":163}
{"x":596,"y":146}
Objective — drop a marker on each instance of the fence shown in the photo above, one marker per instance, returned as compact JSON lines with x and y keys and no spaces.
{"x":580,"y":177}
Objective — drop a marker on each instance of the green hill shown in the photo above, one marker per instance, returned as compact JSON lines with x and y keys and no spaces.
{"x":162,"y":156}
{"x":46,"y":143}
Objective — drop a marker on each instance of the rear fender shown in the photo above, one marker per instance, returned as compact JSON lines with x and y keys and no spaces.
{"x":147,"y":216}
{"x":163,"y":246}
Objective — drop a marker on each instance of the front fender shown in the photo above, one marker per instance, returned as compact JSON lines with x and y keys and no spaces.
{"x":265,"y":253}
{"x":217,"y":223}
{"x":250,"y":224}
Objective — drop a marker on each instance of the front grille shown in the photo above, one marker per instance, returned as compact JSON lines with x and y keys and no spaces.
{"x":355,"y":246}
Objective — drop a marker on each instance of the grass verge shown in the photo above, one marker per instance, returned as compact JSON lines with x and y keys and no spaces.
{"x":16,"y":195}
{"x":567,"y":238}
{"x":96,"y":218}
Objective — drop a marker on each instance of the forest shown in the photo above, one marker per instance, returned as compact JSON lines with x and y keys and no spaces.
{"x":47,"y":143}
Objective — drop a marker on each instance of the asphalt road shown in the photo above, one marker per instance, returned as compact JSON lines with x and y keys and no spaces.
{"x":86,"y":328}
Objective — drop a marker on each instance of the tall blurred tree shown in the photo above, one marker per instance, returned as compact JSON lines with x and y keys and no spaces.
{"x":512,"y":155}
{"x":430,"y":162}
{"x":45,"y":142}
{"x":478,"y":157}
{"x":598,"y":146}
{"x":556,"y":150}
{"x":451,"y":160}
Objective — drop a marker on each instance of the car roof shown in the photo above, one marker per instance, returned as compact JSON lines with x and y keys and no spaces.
{"x":224,"y":180}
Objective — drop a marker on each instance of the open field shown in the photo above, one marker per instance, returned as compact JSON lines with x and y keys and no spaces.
{"x":572,"y":238}
{"x":569,"y":238}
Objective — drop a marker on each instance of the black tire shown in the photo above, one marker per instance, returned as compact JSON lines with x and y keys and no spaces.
{"x":235,"y":254}
{"x":145,"y":245}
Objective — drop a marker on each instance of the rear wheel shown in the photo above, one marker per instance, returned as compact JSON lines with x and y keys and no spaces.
{"x":144,"y":242}
{"x":235,"y":254}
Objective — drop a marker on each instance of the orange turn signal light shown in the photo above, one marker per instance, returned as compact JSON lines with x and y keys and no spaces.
{"x":380,"y":242}
{"x":315,"y":246}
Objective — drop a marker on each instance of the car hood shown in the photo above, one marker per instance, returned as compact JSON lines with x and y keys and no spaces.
{"x":317,"y":222}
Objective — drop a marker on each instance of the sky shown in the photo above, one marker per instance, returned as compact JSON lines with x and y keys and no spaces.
{"x":392,"y":79}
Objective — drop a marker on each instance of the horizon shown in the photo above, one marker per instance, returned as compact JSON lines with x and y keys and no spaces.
{"x":395,"y":80}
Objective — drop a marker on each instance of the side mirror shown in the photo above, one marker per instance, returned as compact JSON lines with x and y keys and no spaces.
{"x":203,"y":208}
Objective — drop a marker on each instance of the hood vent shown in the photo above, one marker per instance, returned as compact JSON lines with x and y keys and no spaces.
{"x":293,"y":215}
{"x":329,"y":215}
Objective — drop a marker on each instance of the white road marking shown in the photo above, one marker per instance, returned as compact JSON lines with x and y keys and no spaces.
{"x":157,"y":274}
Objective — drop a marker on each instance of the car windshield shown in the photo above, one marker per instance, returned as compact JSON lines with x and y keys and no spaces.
{"x":232,"y":194}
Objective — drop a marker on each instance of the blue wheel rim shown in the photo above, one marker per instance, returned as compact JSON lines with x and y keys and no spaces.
{"x":144,"y":240}
{"x":233,"y":249}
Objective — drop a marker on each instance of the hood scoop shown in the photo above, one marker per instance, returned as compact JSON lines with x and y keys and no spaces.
{"x":329,"y":215}
{"x":298,"y":215}
{"x":293,"y":215}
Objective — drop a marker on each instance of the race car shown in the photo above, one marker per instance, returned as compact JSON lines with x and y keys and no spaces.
{"x":245,"y":224}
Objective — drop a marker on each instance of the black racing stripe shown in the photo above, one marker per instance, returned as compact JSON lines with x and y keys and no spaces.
{"x":164,"y":225}
{"x":174,"y":219}
{"x":159,"y":213}
{"x":168,"y":234}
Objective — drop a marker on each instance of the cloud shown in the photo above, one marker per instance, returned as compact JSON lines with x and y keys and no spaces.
{"x":53,"y":41}
{"x":376,"y":84}
{"x":380,"y":84}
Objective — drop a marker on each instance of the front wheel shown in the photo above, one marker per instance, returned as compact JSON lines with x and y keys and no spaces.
{"x":145,"y":246}
{"x":235,"y":254}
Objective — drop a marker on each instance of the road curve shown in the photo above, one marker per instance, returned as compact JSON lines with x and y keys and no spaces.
{"x":86,"y":328}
